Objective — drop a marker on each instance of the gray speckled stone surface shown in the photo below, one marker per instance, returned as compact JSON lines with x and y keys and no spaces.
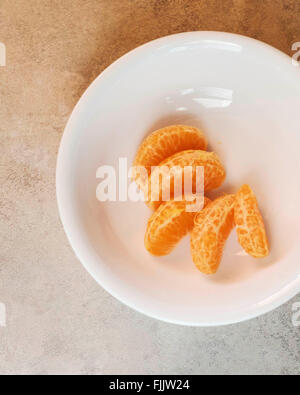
{"x":58,"y":319}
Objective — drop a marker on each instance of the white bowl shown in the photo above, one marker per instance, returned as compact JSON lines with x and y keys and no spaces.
{"x":245,"y":95}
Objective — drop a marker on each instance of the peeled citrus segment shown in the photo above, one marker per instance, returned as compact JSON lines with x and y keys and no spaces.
{"x":167,"y":225}
{"x":250,"y":226}
{"x":211,"y":230}
{"x":163,"y":143}
{"x":171,"y":173}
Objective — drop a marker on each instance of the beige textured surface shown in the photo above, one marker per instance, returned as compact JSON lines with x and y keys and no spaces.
{"x":58,"y":319}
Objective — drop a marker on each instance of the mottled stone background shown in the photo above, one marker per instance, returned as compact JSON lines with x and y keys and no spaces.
{"x":58,"y":319}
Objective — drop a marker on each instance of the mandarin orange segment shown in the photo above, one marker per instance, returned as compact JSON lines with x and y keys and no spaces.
{"x":163,"y":143}
{"x":250,"y":226}
{"x":166,"y":177}
{"x":212,"y":228}
{"x":167,"y":225}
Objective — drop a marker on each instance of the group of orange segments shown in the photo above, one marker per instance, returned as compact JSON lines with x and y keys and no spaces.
{"x":180,"y":146}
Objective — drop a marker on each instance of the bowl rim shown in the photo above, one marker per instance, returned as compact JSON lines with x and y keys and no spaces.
{"x":82,"y":253}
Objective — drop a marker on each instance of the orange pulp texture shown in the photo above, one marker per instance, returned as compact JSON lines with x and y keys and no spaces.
{"x":249,"y":224}
{"x":163,"y":143}
{"x":211,"y":230}
{"x":167,"y":225}
{"x":214,"y":174}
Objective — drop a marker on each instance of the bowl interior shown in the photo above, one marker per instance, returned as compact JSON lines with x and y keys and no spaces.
{"x":245,"y":96}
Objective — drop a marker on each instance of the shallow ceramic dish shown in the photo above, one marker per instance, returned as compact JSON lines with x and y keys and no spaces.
{"x":245,"y":95}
